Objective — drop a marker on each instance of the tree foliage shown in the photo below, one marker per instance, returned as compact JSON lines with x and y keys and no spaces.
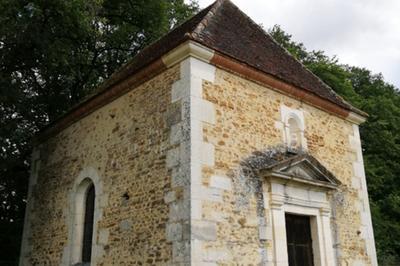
{"x":52,"y":54}
{"x":380,"y":136}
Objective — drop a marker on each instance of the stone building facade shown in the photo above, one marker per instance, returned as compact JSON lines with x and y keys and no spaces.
{"x":201,"y":151}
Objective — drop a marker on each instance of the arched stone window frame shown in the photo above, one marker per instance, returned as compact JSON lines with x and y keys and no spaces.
{"x":75,"y":218}
{"x":297,"y":115}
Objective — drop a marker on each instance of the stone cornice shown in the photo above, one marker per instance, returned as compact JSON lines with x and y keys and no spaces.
{"x":278,"y":85}
{"x":188,"y":49}
{"x":355,"y":118}
{"x":183,"y":51}
{"x":196,"y":50}
{"x":287,"y":179}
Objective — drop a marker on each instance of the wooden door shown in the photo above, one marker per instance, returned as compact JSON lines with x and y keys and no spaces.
{"x":299,"y":242}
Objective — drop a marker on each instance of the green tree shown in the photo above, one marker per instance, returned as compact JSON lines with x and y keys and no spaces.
{"x":52,"y":54}
{"x":380,"y":136}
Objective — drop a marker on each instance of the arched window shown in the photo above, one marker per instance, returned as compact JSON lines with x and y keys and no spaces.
{"x":83,"y":222}
{"x":85,"y":212}
{"x":88,"y":224}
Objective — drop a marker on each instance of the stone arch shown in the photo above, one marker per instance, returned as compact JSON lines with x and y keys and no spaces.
{"x":75,"y":216}
{"x":294,"y":131}
{"x":292,"y":116}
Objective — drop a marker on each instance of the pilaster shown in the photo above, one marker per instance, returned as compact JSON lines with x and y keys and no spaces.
{"x":186,"y":229}
{"x":360,"y":184}
{"x":279,"y":224}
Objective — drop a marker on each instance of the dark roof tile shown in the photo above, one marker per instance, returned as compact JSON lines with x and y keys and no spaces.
{"x":227,"y":30}
{"x":231,"y":32}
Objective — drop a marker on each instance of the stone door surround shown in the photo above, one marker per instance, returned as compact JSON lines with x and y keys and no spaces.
{"x":300,"y":186}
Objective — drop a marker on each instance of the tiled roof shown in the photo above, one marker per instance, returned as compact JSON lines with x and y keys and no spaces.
{"x":227,"y":30}
{"x":239,"y":44}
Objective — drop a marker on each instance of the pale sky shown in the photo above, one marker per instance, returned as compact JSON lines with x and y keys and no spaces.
{"x":363,"y":33}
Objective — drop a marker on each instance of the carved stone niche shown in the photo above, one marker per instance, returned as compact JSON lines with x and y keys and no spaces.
{"x":299,"y":185}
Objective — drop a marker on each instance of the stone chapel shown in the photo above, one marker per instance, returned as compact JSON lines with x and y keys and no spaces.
{"x":213,"y":146}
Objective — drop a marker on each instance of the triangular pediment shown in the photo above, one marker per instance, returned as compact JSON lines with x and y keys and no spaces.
{"x":303,"y":168}
{"x":306,"y":170}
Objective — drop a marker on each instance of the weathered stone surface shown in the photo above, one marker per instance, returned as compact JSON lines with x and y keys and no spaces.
{"x":174,"y":231}
{"x":103,"y":236}
{"x":173,"y":157}
{"x":174,"y":189}
{"x":180,"y":251}
{"x":248,"y":119}
{"x":220,"y":255}
{"x":204,"y":230}
{"x":174,"y":114}
{"x":221,"y":182}
{"x":125,"y":225}
{"x":170,"y":196}
{"x":126,"y":142}
{"x":265,"y":232}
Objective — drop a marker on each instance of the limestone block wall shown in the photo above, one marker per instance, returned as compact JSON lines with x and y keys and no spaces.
{"x":186,"y":229}
{"x":123,"y":148}
{"x":167,"y":163}
{"x":248,"y":119}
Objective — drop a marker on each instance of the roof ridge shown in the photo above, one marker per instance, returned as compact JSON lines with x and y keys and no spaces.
{"x":301,"y":64}
{"x":239,"y":39}
{"x":287,"y":52}
{"x":204,"y":21}
{"x":125,"y":66}
{"x":198,"y":28}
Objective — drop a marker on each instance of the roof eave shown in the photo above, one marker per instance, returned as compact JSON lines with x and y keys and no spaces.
{"x":286,"y":179}
{"x":188,"y":49}
{"x":226,"y":62}
{"x":197,"y":50}
{"x":125,"y":80}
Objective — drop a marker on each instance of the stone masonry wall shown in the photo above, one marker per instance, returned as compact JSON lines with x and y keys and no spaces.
{"x":248,"y":119}
{"x":125,"y":144}
{"x":165,"y":159}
